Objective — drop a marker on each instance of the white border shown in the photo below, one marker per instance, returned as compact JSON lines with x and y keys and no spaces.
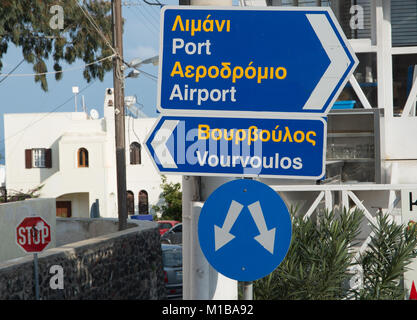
{"x":244,"y":116}
{"x":262,"y":114}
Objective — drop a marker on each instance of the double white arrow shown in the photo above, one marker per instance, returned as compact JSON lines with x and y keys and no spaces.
{"x":222,"y":236}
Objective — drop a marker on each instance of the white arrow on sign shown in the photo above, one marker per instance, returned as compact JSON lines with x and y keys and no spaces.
{"x":222,"y":235}
{"x":159,"y":143}
{"x":339,"y":61}
{"x":266,"y":237}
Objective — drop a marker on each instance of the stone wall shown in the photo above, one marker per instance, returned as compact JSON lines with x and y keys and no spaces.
{"x":121,"y":265}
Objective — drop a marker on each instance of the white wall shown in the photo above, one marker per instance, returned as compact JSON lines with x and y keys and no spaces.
{"x":400,"y":155}
{"x":400,"y":135}
{"x":12,"y":213}
{"x":143,"y":176}
{"x":65,"y":133}
{"x":38,"y":130}
{"x":2,"y":175}
{"x":80,"y":203}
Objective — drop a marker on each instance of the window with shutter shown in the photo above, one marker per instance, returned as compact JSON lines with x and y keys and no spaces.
{"x":82,"y":158}
{"x":143,"y":202}
{"x":28,"y":158}
{"x":48,"y":158}
{"x":38,"y":158}
{"x":130,"y":203}
{"x":63,"y":209}
{"x":135,"y":153}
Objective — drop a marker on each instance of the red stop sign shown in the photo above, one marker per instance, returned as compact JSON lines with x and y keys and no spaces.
{"x":33,"y":234}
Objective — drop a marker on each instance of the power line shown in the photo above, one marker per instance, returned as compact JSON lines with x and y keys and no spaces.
{"x":130,"y":3}
{"x":151,"y":14}
{"x":150,"y":76}
{"x":153,"y":3}
{"x":17,"y":66}
{"x":145,"y":24}
{"x":155,"y":28}
{"x":46,"y":115}
{"x":158,"y":10}
{"x":94,"y":24}
{"x":5,"y":75}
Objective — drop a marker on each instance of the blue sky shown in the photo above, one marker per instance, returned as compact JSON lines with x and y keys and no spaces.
{"x":20,"y":94}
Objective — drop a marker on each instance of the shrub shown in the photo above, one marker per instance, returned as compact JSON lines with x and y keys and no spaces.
{"x":316,"y":264}
{"x":12,"y":196}
{"x":170,"y":201}
{"x":384,"y":262}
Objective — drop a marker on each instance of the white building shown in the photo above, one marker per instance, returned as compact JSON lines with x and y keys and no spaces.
{"x":2,"y":175}
{"x":72,"y":154}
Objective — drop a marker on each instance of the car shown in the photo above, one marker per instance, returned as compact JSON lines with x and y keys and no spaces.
{"x":165,"y":225}
{"x":173,"y":235}
{"x":172,"y":263}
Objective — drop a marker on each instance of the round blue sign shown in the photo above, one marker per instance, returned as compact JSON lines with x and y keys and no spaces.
{"x":244,"y":230}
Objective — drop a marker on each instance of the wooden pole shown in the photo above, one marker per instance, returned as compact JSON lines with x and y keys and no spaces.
{"x":119,"y":118}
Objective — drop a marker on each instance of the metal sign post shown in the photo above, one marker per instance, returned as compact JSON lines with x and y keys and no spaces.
{"x":247,"y":290}
{"x":36,"y":274}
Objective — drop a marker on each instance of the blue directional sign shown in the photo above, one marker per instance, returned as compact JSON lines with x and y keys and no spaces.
{"x":254,"y":60}
{"x":222,"y":146}
{"x":244,"y":230}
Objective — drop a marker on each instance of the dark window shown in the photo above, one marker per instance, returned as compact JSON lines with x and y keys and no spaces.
{"x":130,"y":199}
{"x":48,"y":158}
{"x":143,"y":202}
{"x":177,"y":228}
{"x":135,"y":153}
{"x":404,"y":73}
{"x":63,"y":209}
{"x":172,"y":257}
{"x":82,"y":158}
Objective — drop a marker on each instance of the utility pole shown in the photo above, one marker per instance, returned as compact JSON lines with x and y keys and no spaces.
{"x":119,"y":112}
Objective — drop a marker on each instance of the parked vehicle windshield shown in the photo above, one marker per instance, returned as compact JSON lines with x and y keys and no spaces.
{"x":172,"y":258}
{"x":165,"y":225}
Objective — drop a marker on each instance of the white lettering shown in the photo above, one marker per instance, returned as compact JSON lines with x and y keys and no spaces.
{"x":357,"y":19}
{"x":57,"y":21}
{"x":44,"y":234}
{"x":214,"y":160}
{"x":202,"y":94}
{"x":176,"y":93}
{"x":22,"y":237}
{"x":191,"y":48}
{"x":28,"y":235}
{"x":57,"y":280}
{"x":177,"y":44}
